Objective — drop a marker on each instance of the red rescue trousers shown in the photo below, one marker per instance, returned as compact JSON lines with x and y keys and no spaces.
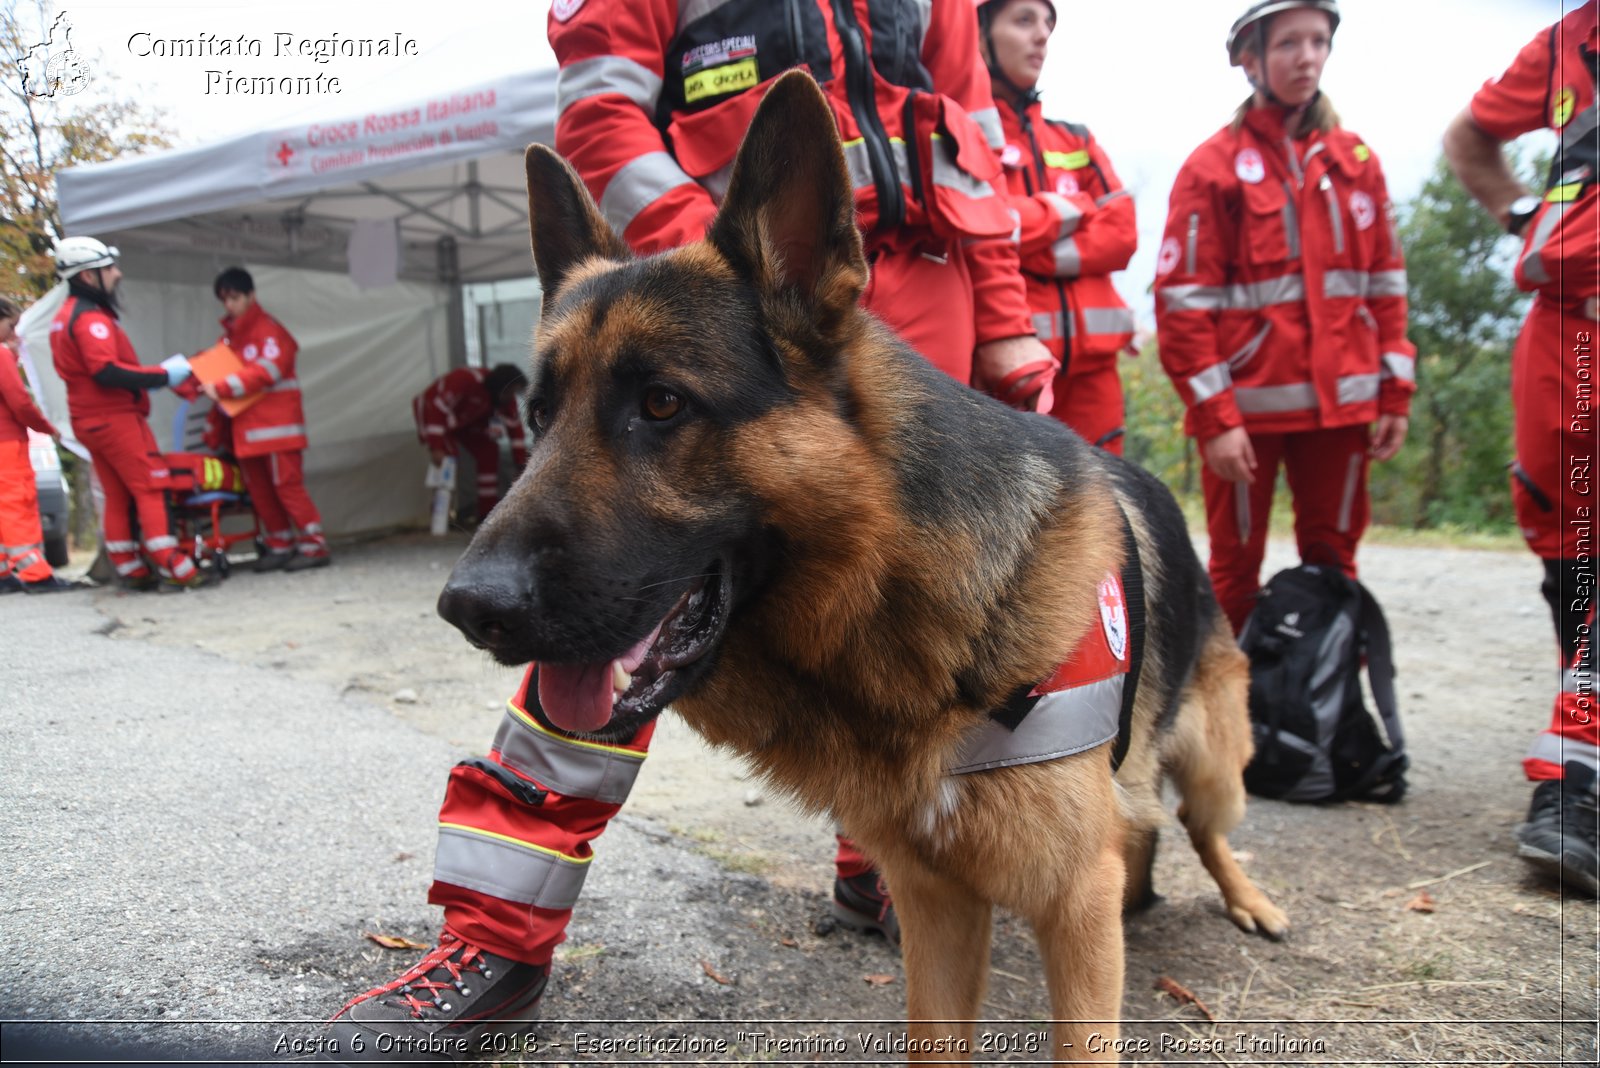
{"x":1089,"y":400}
{"x":485,"y":452}
{"x":1327,"y":473}
{"x":127,"y":460}
{"x":21,"y":538}
{"x":277,"y":486}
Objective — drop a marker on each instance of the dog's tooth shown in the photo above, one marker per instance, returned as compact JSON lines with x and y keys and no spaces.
{"x":620,"y":680}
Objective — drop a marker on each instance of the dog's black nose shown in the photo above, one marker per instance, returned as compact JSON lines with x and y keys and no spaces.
{"x":489,"y":613}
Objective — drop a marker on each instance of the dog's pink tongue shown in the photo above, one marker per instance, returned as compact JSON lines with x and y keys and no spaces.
{"x":576,"y":697}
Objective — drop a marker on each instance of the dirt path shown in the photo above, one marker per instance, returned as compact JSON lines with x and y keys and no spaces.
{"x":1366,"y":976}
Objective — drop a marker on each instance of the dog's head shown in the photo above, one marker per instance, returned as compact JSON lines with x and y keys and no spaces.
{"x":634,"y":533}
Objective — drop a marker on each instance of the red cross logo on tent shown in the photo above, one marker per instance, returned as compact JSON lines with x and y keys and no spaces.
{"x":283,"y":153}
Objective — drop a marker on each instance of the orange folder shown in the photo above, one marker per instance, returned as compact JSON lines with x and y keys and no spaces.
{"x":215,"y":364}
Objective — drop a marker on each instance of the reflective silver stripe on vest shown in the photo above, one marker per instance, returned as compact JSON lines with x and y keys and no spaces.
{"x":1210,"y":382}
{"x":946,"y":173}
{"x":1063,"y":723}
{"x":565,"y":765}
{"x":1115,"y":194}
{"x":1344,"y":284}
{"x":1396,"y":365}
{"x":1285,"y":289}
{"x":1387,"y":284}
{"x":506,"y":868}
{"x":235,"y":385}
{"x":1555,"y":749}
{"x":1532,"y":266}
{"x":1257,"y":400}
{"x":988,"y":120}
{"x":607,"y":74}
{"x":1353,"y":389}
{"x":639,"y":184}
{"x":1066,"y":210}
{"x":1192,"y":298}
{"x":1047,"y":325}
{"x":285,"y":386}
{"x":1068,"y":261}
{"x":1104,"y":321}
{"x":275,"y":433}
{"x":859,"y":162}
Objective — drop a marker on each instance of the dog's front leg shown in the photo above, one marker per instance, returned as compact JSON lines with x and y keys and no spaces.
{"x":1080,"y":938}
{"x":944,"y":941}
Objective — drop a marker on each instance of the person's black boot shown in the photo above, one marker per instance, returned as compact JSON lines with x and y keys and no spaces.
{"x":1560,"y":835}
{"x":448,"y":1006}
{"x":862,"y":903}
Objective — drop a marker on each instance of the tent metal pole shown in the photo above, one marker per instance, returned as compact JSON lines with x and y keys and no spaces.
{"x":449,"y":258}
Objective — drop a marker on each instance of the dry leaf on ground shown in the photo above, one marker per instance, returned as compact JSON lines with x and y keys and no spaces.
{"x":879,"y":980}
{"x":395,"y":941}
{"x":1183,"y":995}
{"x":1423,"y":902}
{"x":715,"y":976}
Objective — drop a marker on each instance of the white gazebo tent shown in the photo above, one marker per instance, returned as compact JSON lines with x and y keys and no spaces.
{"x":427,"y":195}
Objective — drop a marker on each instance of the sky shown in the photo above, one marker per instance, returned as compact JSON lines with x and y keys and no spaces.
{"x":1151,"y":78}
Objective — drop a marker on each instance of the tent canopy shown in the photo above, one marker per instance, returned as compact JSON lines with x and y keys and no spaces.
{"x":445,"y":167}
{"x":443,"y":174}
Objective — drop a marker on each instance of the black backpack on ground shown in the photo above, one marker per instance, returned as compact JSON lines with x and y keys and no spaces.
{"x":1315,"y":740}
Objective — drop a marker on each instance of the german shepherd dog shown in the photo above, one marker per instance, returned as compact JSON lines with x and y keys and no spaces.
{"x":748,"y":499}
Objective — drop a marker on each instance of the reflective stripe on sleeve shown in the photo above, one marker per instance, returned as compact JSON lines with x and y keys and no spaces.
{"x":275,"y":433}
{"x":1396,"y":365}
{"x":1210,"y":382}
{"x":1108,"y":321}
{"x":508,"y":868}
{"x":988,"y":120}
{"x":607,"y":74}
{"x":1047,"y":325}
{"x":566,"y":765}
{"x":639,"y":184}
{"x":1353,"y":389}
{"x":1065,"y":210}
{"x":1068,"y":260}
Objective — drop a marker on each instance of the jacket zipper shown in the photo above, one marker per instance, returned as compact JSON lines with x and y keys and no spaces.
{"x":1326,"y":185}
{"x":1291,"y":223}
{"x":859,"y":91}
{"x":796,"y":40}
{"x":1067,"y":324}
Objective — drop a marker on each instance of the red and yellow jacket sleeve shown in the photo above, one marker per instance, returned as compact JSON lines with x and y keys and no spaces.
{"x":15,"y":399}
{"x":611,"y":57}
{"x":1386,"y":299}
{"x":273,"y":362}
{"x":1190,"y":280}
{"x":1079,"y":234}
{"x":950,"y":54}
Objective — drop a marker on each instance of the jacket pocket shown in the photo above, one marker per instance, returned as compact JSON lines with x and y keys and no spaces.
{"x":1264,"y":237}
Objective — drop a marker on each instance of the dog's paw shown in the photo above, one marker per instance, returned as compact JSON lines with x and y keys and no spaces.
{"x":1257,"y":915}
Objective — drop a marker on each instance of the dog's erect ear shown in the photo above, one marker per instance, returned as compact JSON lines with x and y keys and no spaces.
{"x":566,"y":225}
{"x":788,"y":221}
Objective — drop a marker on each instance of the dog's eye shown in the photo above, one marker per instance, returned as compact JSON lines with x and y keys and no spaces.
{"x":538,"y":414}
{"x":660,"y":403}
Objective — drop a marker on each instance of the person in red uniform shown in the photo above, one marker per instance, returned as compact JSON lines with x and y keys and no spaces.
{"x":1077,"y":224}
{"x":269,"y":437}
{"x":107,"y":398}
{"x":1281,"y":307}
{"x":23,"y":567}
{"x":469,"y":410}
{"x":1552,"y":84}
{"x":653,"y":100}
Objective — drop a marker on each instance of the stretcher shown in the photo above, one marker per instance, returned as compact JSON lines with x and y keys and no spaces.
{"x":208,"y":507}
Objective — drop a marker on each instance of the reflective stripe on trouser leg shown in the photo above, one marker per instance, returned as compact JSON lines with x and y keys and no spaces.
{"x":1327,"y":474}
{"x":289,"y":482}
{"x":1237,"y":520}
{"x":21,"y":537}
{"x":277,"y":533}
{"x":514,"y":849}
{"x":1574,"y":731}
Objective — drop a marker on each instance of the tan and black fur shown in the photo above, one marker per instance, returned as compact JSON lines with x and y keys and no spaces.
{"x":875,"y":557}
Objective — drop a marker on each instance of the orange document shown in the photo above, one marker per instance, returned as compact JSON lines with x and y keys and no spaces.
{"x":215,"y":364}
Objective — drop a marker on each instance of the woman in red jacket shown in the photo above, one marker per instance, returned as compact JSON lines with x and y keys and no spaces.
{"x":1076,"y":223}
{"x":23,"y":567}
{"x":1281,"y":307}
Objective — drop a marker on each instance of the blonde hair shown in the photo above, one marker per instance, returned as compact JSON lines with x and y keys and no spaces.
{"x":1318,"y":115}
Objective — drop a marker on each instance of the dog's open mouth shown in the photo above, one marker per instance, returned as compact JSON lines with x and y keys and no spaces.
{"x":583,"y":698}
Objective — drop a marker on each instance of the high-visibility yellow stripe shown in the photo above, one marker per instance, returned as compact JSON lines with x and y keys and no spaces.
{"x":533,"y":724}
{"x":718,"y":81}
{"x":516,"y":842}
{"x":1564,"y":194}
{"x":1067,"y":161}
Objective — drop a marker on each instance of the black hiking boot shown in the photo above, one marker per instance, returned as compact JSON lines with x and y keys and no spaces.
{"x":1560,"y":836}
{"x":449,"y":1006}
{"x":272,"y":560}
{"x":862,"y":903}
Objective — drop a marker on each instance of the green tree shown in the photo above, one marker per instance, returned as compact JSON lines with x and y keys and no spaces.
{"x":1465,"y":312}
{"x":45,"y":126}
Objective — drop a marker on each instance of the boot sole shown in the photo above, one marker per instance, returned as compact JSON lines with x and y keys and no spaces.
{"x":1564,"y":868}
{"x":861,"y":923}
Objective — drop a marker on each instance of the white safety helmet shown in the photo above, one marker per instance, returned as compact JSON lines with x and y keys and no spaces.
{"x":74,"y":254}
{"x":1252,"y":24}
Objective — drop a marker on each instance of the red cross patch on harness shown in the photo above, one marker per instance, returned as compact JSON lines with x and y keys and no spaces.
{"x":1103,"y":651}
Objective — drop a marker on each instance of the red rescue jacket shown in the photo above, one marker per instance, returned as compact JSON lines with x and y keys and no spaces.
{"x":1552,"y":84}
{"x":1280,"y":284}
{"x":459,"y":402}
{"x":276,"y":422}
{"x":654,"y":97}
{"x":84,"y":338}
{"x":1077,"y":227}
{"x":18,"y":413}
